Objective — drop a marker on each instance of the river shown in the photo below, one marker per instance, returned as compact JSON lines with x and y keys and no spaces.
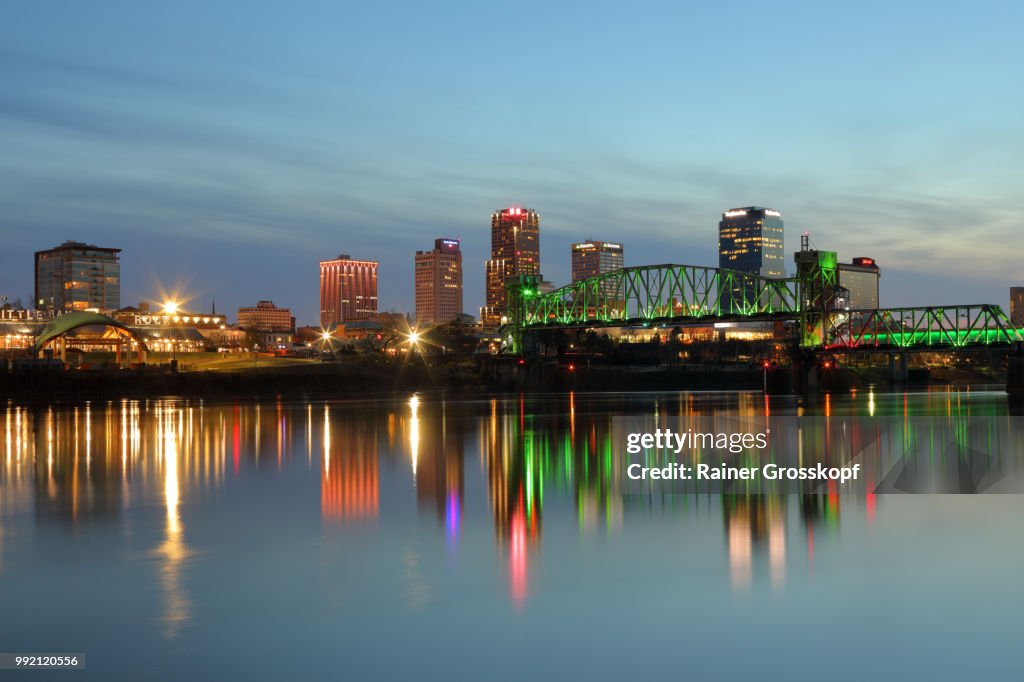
{"x":424,"y":536}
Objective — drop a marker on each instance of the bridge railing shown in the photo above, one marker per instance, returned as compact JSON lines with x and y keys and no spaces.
{"x":662,"y":293}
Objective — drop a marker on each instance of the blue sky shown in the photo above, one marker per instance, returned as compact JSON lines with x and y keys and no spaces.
{"x":227,"y":147}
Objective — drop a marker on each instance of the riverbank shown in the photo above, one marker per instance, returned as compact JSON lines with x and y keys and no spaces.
{"x":353,"y":376}
{"x":358,"y":376}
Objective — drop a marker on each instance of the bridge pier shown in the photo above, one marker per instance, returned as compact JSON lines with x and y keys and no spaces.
{"x":1015,"y":375}
{"x":898,"y":373}
{"x":805,"y":377}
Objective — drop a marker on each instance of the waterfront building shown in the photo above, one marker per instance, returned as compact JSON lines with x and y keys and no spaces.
{"x":77,"y":276}
{"x":266,"y":317}
{"x":19,"y":327}
{"x":860,"y":280}
{"x":172,"y":328}
{"x":592,"y":258}
{"x":1017,"y":306}
{"x":348,"y":290}
{"x":438,"y":279}
{"x":515,"y":250}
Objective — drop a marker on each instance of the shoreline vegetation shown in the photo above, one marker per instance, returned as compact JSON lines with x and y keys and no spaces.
{"x":373,"y":375}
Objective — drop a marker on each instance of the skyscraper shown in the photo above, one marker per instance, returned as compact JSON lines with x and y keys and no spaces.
{"x":591,"y":258}
{"x":438,"y":278}
{"x":77,"y":276}
{"x":1017,"y":307}
{"x":348,"y":290}
{"x":515,"y":250}
{"x":751,"y":240}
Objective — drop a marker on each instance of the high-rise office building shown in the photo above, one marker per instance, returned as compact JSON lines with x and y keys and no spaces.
{"x":751,"y":240}
{"x":592,"y":258}
{"x":1017,"y":307}
{"x":515,"y":250}
{"x":860,"y":279}
{"x":77,"y":276}
{"x":348,"y":290}
{"x":438,"y":278}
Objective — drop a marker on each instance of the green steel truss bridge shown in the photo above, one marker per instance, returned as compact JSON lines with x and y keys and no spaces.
{"x":933,"y":327}
{"x":679,"y":295}
{"x":656,"y":293}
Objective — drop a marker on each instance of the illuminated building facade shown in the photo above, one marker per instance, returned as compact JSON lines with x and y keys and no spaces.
{"x":438,"y":280}
{"x":860,"y":279}
{"x":266,"y":317}
{"x":77,"y":276}
{"x":751,"y":240}
{"x":1017,"y":306}
{"x":348,"y":290}
{"x":592,"y":258}
{"x":515,"y":250}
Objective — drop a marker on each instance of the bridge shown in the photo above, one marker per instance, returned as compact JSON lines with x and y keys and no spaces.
{"x":679,"y":295}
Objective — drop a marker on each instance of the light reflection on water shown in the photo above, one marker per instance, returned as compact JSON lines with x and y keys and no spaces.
{"x":417,"y":479}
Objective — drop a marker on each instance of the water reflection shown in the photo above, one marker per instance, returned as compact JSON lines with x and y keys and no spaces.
{"x":99,"y":463}
{"x":755,"y":524}
{"x":350,"y":479}
{"x":440,"y":481}
{"x":173,"y":552}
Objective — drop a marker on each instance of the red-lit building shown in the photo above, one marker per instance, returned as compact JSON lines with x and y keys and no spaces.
{"x":348,"y":290}
{"x":515,"y":250}
{"x":438,"y":279}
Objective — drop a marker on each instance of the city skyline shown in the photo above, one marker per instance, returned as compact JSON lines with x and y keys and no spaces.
{"x":227,"y":171}
{"x":181,"y":295}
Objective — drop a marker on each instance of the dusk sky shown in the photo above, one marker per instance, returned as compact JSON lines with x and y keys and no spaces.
{"x":227,"y":147}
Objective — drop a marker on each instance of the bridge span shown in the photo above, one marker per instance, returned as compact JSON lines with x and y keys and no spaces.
{"x":812,"y":301}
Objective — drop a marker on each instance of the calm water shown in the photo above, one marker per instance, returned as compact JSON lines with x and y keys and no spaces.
{"x":444,"y":539}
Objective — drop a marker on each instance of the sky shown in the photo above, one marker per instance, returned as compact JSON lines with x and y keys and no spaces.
{"x":227,"y":147}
